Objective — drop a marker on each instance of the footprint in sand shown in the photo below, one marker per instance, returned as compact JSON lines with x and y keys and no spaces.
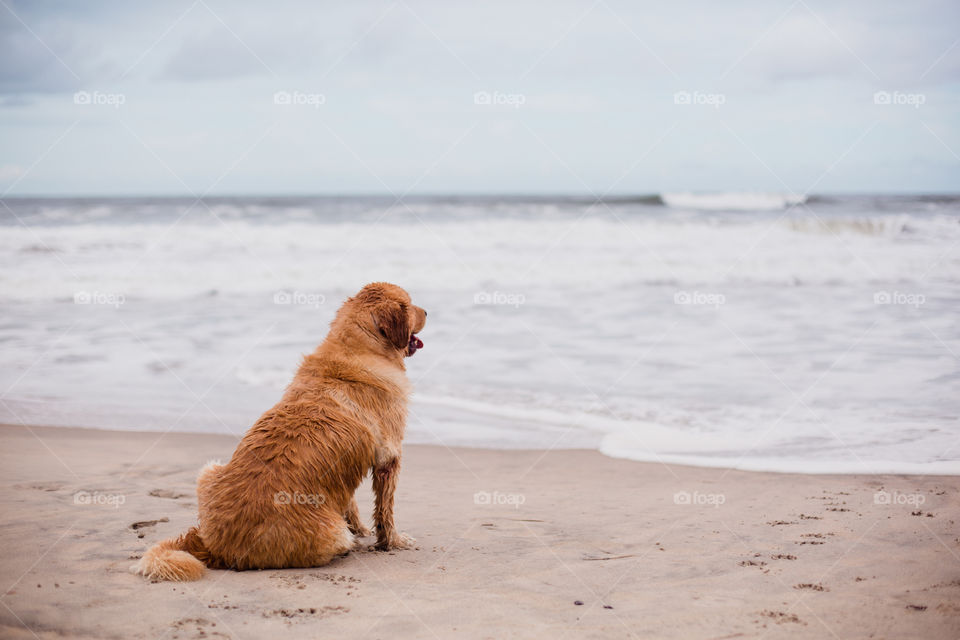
{"x":145,"y":524}
{"x":780,"y":617}
{"x":339,"y":580}
{"x":167,"y":493}
{"x":41,"y":486}
{"x":287,"y":580}
{"x":814,"y":538}
{"x":294,"y":581}
{"x":759,"y":564}
{"x":305,"y":613}
{"x":196,"y":628}
{"x":335,"y":578}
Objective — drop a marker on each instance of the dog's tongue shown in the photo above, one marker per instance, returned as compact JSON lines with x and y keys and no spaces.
{"x":415,"y":343}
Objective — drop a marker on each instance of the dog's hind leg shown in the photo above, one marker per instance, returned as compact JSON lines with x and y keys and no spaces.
{"x":208,"y":474}
{"x":352,"y":516}
{"x":333,"y":540}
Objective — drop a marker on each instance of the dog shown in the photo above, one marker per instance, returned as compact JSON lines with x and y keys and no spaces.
{"x":286,"y":497}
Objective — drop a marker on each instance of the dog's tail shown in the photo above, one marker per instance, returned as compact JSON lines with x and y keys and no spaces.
{"x":180,"y":559}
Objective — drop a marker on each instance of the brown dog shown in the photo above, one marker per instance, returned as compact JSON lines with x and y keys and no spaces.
{"x":285,"y":499}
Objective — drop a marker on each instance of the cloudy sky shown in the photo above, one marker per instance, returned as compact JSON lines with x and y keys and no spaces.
{"x":600,"y":96}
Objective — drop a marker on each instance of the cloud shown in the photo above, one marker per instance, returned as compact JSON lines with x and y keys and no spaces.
{"x":27,"y":66}
{"x":48,"y":53}
{"x":400,"y":79}
{"x":10,"y":172}
{"x":216,"y":55}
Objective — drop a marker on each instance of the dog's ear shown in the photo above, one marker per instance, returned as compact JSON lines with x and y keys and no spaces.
{"x":393,"y":323}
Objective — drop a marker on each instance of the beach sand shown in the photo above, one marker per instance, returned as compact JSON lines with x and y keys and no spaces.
{"x":524,"y":544}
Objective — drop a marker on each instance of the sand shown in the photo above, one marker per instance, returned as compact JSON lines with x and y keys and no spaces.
{"x":524,"y":544}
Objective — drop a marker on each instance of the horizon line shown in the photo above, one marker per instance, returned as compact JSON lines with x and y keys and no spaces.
{"x":467,"y":194}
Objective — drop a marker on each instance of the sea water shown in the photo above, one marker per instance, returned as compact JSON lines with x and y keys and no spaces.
{"x":755,"y":331}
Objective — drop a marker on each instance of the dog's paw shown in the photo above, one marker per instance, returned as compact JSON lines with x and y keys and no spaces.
{"x":402,"y":541}
{"x":398,"y":541}
{"x":360,"y":545}
{"x":360,"y":531}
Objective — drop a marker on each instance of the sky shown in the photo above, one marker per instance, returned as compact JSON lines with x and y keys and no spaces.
{"x":599,"y":97}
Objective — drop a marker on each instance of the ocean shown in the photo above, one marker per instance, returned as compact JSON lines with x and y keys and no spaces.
{"x":754,"y":331}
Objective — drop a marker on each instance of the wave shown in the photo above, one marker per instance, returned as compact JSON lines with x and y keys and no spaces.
{"x":888,"y":226}
{"x":148,"y":261}
{"x":62,"y":212}
{"x":734,"y":438}
{"x":621,"y":446}
{"x":654,"y":199}
{"x":657,"y":433}
{"x":732,"y":201}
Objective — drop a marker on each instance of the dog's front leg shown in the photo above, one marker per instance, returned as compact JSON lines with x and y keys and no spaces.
{"x":384,"y":486}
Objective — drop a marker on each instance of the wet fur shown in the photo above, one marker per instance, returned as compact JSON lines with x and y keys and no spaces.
{"x":285,"y":498}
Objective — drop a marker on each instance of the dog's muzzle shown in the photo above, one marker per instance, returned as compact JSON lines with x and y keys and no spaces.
{"x":414,"y":344}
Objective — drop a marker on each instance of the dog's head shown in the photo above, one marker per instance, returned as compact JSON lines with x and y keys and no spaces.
{"x":384,"y":318}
